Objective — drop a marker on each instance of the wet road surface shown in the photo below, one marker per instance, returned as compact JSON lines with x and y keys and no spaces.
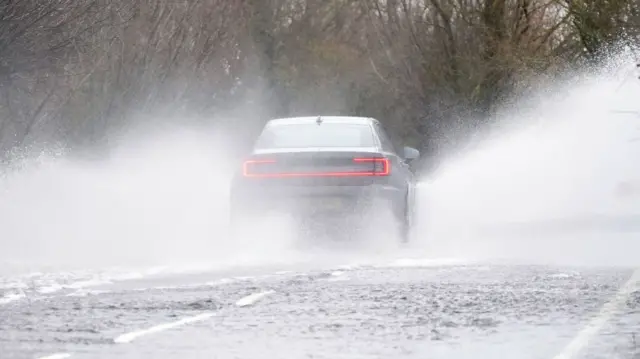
{"x":404,"y":310}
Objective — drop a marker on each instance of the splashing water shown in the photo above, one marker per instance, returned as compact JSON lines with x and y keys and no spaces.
{"x":162,"y":201}
{"x":560,"y":184}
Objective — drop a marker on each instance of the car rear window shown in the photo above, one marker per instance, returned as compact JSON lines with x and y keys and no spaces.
{"x":313,"y":135}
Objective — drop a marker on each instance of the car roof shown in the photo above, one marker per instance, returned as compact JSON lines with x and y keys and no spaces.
{"x":353,"y":120}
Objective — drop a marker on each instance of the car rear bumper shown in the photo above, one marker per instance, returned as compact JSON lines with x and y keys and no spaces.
{"x":331,"y":201}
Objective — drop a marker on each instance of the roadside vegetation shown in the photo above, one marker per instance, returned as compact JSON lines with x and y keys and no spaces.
{"x":78,"y":72}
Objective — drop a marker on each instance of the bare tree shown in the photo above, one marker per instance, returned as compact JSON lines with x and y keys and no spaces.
{"x":79,"y":70}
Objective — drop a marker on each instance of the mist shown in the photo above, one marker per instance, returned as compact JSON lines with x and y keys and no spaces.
{"x":543,"y":187}
{"x":158,"y":202}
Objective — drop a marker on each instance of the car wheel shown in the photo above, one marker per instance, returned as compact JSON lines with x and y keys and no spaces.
{"x":239,"y":222}
{"x":405,"y":225}
{"x":391,"y":218}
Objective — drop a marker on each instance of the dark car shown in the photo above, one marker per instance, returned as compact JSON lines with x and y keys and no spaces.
{"x":326,"y":167}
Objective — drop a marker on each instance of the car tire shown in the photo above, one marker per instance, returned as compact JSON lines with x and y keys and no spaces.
{"x":392,"y":219}
{"x":238,"y":222}
{"x":405,"y":225}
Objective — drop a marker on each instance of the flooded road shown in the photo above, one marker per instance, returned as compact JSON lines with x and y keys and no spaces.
{"x":406,"y":308}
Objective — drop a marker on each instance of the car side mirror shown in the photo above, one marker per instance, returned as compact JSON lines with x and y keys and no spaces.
{"x":411,"y":154}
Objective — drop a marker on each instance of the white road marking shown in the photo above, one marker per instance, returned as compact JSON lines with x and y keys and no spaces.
{"x":424,"y":262}
{"x":12,"y":297}
{"x":129,"y":337}
{"x":582,"y":339}
{"x":253,"y":298}
{"x":56,"y":356}
{"x":337,"y":276}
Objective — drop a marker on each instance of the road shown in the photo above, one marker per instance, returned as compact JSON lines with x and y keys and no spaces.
{"x":395,"y":308}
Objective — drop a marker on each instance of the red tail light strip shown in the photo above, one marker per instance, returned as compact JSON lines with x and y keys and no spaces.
{"x":386,"y":170}
{"x":245,"y":166}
